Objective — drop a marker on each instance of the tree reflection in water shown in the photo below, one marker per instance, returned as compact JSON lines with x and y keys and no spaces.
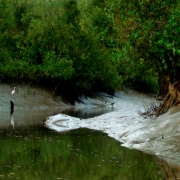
{"x":38,"y":153}
{"x":170,"y":171}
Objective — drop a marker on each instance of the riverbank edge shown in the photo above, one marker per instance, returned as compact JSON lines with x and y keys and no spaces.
{"x":26,"y":97}
{"x":157,"y":136}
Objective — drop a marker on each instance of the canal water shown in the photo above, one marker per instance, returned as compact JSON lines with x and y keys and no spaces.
{"x":35,"y":152}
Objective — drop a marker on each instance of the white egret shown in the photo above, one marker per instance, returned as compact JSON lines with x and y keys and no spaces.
{"x":13,"y":91}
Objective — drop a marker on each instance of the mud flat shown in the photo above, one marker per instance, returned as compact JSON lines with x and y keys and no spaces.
{"x":159,"y":136}
{"x":31,"y":105}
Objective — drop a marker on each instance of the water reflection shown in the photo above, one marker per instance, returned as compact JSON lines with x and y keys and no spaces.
{"x":29,"y":150}
{"x":23,"y":118}
{"x":85,"y":113}
{"x":170,"y":171}
{"x":12,"y":121}
{"x":38,"y":153}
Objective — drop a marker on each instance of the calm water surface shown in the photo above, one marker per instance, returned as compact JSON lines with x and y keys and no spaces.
{"x":38,"y":153}
{"x":34,"y":152}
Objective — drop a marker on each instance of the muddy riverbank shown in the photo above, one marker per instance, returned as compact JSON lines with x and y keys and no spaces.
{"x":159,"y":136}
{"x":31,"y":105}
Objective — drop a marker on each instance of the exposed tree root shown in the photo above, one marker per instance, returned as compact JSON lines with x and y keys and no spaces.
{"x":171,"y":99}
{"x":149,"y":110}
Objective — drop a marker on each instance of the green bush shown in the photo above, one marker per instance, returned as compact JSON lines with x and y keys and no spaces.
{"x":89,"y":45}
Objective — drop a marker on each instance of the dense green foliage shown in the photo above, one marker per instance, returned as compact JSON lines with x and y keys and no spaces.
{"x":90,"y":45}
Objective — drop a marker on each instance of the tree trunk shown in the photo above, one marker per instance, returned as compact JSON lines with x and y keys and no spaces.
{"x":162,"y":87}
{"x":172,"y":90}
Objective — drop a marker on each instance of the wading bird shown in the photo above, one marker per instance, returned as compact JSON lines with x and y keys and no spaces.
{"x":13,"y":91}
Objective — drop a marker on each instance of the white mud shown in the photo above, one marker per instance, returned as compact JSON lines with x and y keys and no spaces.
{"x":159,"y":136}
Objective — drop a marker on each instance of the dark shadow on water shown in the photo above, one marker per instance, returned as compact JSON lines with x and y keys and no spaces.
{"x":86,"y":113}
